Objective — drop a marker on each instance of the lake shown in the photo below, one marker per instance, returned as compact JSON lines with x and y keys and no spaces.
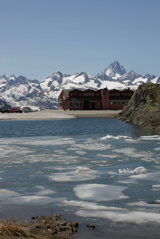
{"x":98,"y":171}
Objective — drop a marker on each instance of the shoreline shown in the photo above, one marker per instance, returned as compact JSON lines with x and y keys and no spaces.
{"x":39,"y":227}
{"x":59,"y":114}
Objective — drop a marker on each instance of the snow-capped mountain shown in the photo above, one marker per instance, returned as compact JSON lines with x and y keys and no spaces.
{"x":60,"y":81}
{"x":114,"y":70}
{"x":20,"y":91}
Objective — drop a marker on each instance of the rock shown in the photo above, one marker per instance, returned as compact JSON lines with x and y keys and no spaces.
{"x":144,"y":107}
{"x":91,"y":226}
{"x":40,"y":227}
{"x":54,"y":225}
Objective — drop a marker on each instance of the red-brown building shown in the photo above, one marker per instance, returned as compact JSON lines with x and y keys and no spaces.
{"x":102,"y":99}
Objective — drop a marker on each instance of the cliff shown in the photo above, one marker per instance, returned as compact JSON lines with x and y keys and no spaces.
{"x":144,"y":107}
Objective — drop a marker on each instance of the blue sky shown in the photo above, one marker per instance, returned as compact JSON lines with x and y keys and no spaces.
{"x":39,"y":37}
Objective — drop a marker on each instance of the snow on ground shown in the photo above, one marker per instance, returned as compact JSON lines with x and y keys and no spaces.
{"x":140,"y":79}
{"x":112,"y":85}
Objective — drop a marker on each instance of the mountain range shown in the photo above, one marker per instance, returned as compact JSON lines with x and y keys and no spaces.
{"x":20,"y":91}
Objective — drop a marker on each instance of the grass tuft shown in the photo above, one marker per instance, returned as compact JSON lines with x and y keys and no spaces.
{"x":12,"y":229}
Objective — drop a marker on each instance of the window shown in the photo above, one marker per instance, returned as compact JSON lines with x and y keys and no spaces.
{"x":76,"y":103}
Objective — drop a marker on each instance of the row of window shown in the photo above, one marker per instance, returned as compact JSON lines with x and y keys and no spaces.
{"x":76,"y":104}
{"x":79,"y":103}
{"x":84,"y":94}
{"x":120,"y":94}
{"x":89,"y":94}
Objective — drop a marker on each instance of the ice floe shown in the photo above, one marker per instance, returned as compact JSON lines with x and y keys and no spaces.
{"x":147,"y":176}
{"x":44,"y":191}
{"x":91,"y":146}
{"x":137,"y":217}
{"x":82,"y":170}
{"x":145,"y":204}
{"x":59,"y":141}
{"x":115,"y":137}
{"x":136,"y":171}
{"x":90,"y":205}
{"x":150,"y":137}
{"x":38,"y":198}
{"x":156,"y":186}
{"x":100,"y":192}
{"x":79,"y":174}
{"x":139,"y":170}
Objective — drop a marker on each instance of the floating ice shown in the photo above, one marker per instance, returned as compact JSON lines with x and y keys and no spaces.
{"x":115,"y":137}
{"x":4,"y":193}
{"x":148,"y":176}
{"x":80,"y":152}
{"x":80,"y":174}
{"x":137,"y":217}
{"x":140,"y":170}
{"x":111,"y":156}
{"x":82,"y":170}
{"x":100,"y":192}
{"x":136,"y":171}
{"x":32,"y":199}
{"x":90,"y":205}
{"x":60,"y":141}
{"x":152,"y":137}
{"x":156,"y":186}
{"x":124,"y":171}
{"x":91,"y":146}
{"x":39,"y":198}
{"x":145,"y":204}
{"x":44,"y":191}
{"x":133,"y":153}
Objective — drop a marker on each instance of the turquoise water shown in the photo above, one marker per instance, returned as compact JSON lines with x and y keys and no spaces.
{"x":99,"y":171}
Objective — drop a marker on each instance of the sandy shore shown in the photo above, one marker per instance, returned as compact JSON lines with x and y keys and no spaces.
{"x":59,"y":114}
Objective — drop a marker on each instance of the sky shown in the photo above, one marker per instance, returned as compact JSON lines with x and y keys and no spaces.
{"x":40,"y":37}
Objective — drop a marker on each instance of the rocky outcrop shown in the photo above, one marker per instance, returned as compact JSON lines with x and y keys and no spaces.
{"x":46,"y":227}
{"x":144,"y":107}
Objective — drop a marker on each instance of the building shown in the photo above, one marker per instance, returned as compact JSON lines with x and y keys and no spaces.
{"x":102,"y":99}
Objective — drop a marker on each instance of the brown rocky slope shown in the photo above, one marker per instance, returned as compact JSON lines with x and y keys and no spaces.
{"x":144,"y":107}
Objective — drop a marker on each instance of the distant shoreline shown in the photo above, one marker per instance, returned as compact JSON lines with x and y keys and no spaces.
{"x":59,"y":114}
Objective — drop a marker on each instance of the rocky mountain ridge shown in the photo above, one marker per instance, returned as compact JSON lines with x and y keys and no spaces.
{"x":144,"y":107}
{"x":20,"y":91}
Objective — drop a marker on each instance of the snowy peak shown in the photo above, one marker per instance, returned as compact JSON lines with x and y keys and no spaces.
{"x":131,"y":75}
{"x":59,"y":75}
{"x":82,"y":77}
{"x":114,"y":70}
{"x":20,"y":91}
{"x":83,"y":74}
{"x":53,"y":81}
